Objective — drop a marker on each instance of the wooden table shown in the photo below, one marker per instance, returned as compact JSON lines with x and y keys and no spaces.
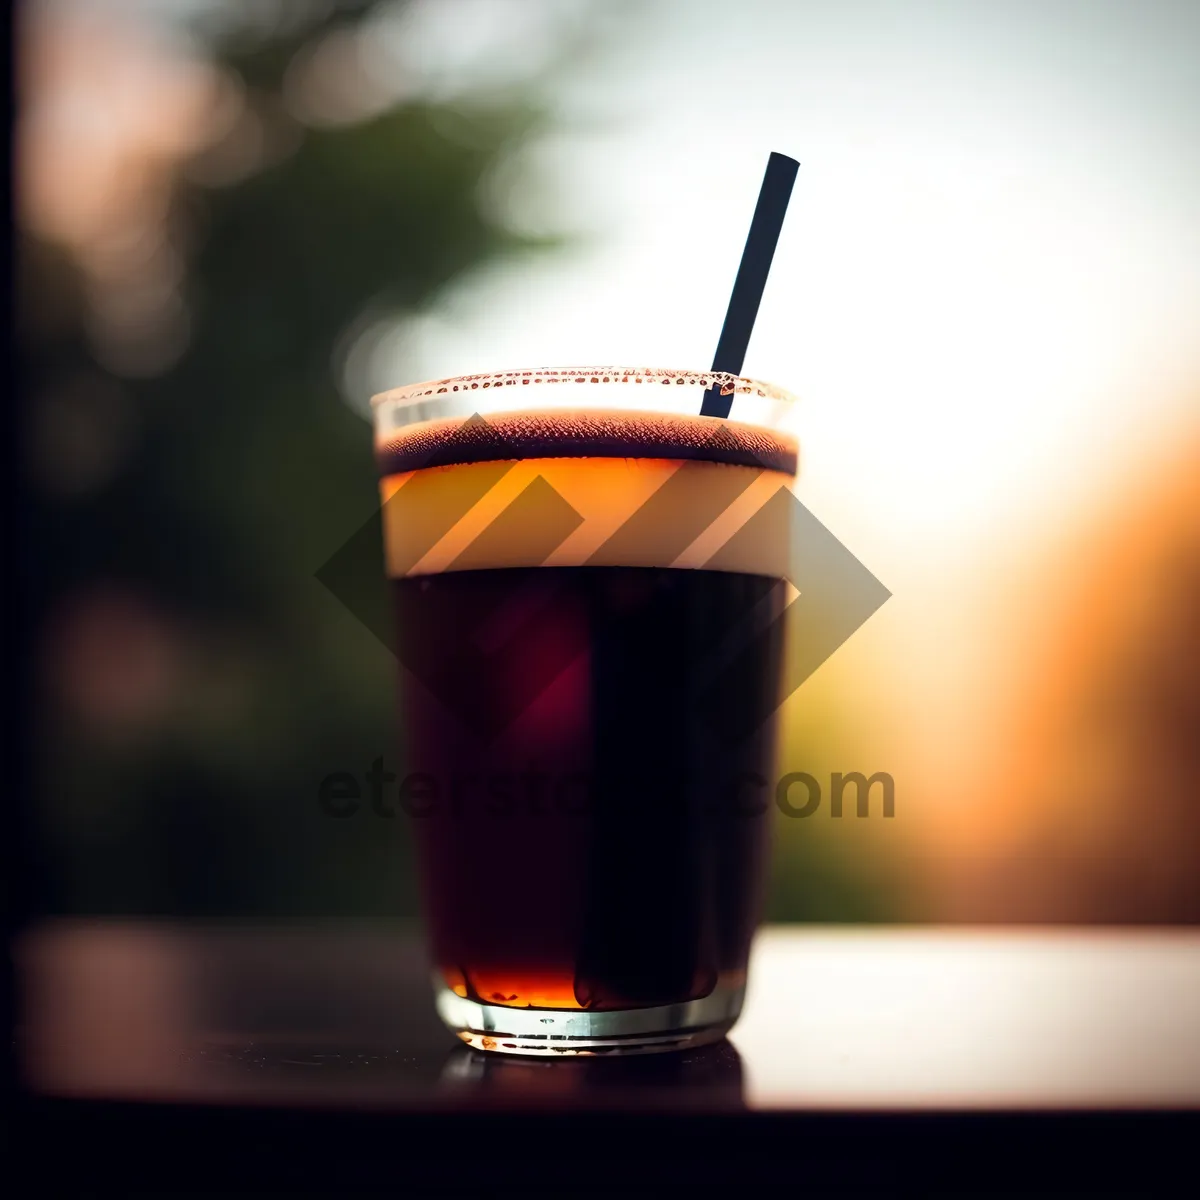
{"x":877,"y":1057}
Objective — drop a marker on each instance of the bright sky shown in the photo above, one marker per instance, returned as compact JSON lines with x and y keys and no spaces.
{"x":986,"y":295}
{"x":987,"y":292}
{"x":988,"y":286}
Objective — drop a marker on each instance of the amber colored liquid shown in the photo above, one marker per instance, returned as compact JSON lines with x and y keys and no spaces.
{"x":587,"y":834}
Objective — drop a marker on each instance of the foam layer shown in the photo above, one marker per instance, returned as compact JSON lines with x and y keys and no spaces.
{"x":595,"y":512}
{"x":590,"y":433}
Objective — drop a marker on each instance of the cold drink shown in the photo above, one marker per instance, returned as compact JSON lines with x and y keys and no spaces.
{"x":588,"y":728}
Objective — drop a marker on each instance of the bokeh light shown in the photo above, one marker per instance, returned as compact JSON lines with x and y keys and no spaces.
{"x":986,"y":295}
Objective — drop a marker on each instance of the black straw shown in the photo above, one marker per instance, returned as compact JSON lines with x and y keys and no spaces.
{"x":772,"y":204}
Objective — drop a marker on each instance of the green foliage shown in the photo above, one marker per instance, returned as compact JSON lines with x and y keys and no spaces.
{"x":247,"y":473}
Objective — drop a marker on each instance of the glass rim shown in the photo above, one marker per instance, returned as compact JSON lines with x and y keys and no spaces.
{"x":487,"y":380}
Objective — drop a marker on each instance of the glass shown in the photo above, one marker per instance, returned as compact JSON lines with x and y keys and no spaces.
{"x":590,"y":665}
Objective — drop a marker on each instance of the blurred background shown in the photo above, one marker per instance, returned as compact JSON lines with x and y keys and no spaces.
{"x":238,"y":220}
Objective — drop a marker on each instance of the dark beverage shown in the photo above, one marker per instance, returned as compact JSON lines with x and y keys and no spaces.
{"x":590,"y":803}
{"x":605,"y":850}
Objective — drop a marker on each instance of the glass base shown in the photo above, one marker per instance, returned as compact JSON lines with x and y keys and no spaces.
{"x":558,"y":1032}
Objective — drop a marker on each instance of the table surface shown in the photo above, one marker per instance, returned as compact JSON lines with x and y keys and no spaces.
{"x":834,"y":1019}
{"x":878,"y":1024}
